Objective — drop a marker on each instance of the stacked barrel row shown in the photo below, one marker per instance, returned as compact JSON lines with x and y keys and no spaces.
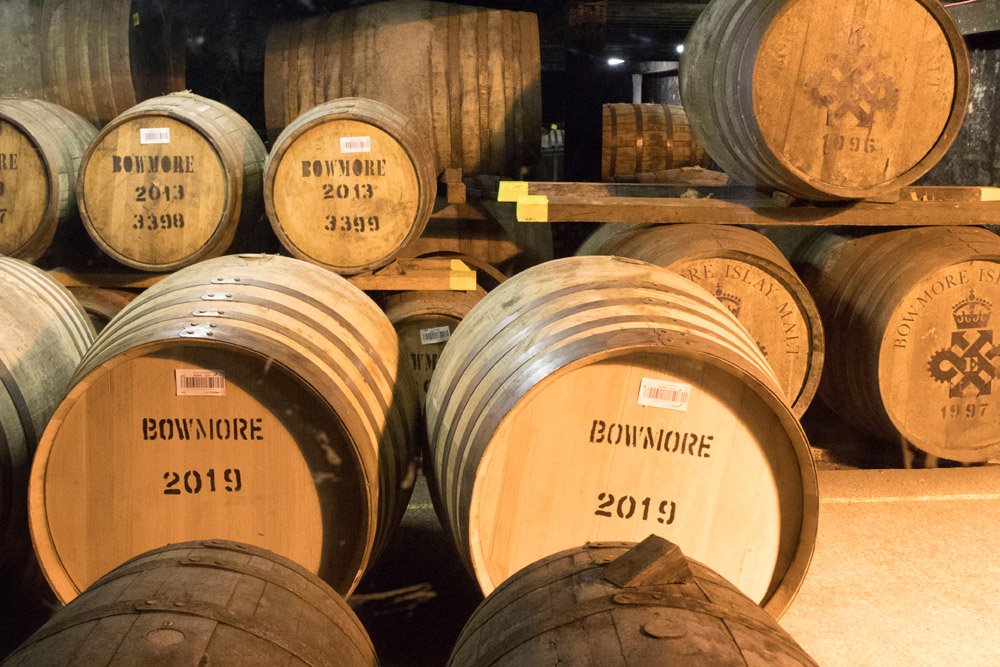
{"x":174,"y":179}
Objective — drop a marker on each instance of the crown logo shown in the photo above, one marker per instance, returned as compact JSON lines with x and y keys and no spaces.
{"x":731,"y":301}
{"x":972,"y":313}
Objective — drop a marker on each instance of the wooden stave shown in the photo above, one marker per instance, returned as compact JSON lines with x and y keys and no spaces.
{"x":665,"y":142}
{"x":292,"y":47}
{"x":376,"y":410}
{"x":192,"y":577}
{"x":60,"y":138}
{"x":724,"y":120}
{"x":101,"y":81}
{"x":474,"y":426}
{"x":501,"y":625}
{"x":859,"y":309}
{"x":667,"y":245}
{"x":241,"y":155}
{"x":101,"y":304}
{"x":381,"y":116}
{"x":41,"y":304}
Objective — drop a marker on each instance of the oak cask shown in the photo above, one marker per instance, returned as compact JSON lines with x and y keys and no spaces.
{"x":642,"y":138}
{"x":211,"y":602}
{"x":349,"y":184}
{"x":167,"y":183}
{"x":100,"y":57}
{"x":825,"y":100}
{"x":43,"y":335}
{"x":748,"y":274}
{"x":468,"y":78}
{"x":613,"y":604}
{"x":253,"y":398}
{"x":41,"y":145}
{"x":910,"y":331}
{"x":597,"y":398}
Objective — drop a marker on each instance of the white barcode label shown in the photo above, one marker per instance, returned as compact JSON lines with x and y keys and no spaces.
{"x":662,"y":394}
{"x":154,"y":135}
{"x":435,"y":335}
{"x":200,"y":382}
{"x":355,"y":144}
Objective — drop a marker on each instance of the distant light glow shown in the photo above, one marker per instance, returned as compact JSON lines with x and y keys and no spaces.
{"x":615,"y":61}
{"x":680,"y":48}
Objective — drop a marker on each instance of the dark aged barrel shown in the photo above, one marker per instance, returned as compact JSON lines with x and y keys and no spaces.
{"x":348,"y":184}
{"x":750,"y":276}
{"x":615,"y":604}
{"x":825,"y":100}
{"x":468,"y":78}
{"x":595,"y":398}
{"x":167,"y":183}
{"x":101,"y":57}
{"x":41,"y":146}
{"x":43,"y":335}
{"x":203,"y":603}
{"x":254,"y":398}
{"x":424,"y":321}
{"x":641,"y":138}
{"x":911,"y":347}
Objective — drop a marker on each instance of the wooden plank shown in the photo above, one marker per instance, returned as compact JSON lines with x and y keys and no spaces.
{"x":419,"y":274}
{"x":715,"y":211}
{"x":108,"y":280}
{"x":511,"y":191}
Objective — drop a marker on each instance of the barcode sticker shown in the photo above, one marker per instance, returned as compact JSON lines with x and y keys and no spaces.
{"x":435,"y":335}
{"x":154,"y":135}
{"x":355,"y":144}
{"x":662,"y":394}
{"x":200,"y":382}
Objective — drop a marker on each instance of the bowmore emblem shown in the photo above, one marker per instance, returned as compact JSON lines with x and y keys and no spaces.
{"x":732,"y":302}
{"x":850,"y":83}
{"x":969,"y":360}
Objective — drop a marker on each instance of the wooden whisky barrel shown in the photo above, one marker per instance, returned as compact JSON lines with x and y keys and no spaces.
{"x":424,"y":321}
{"x":750,"y":276}
{"x":254,"y":398}
{"x":641,"y":138}
{"x":100,"y":57}
{"x":595,"y":398}
{"x":41,"y":146}
{"x":825,"y":101}
{"x":211,"y":602}
{"x":348,"y":184}
{"x":468,"y":78}
{"x":613,"y":604}
{"x":910,"y":347}
{"x":43,"y":335}
{"x":167,"y":182}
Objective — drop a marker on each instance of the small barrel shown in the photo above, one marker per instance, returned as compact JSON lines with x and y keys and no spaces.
{"x":911,"y":347}
{"x":641,"y":138}
{"x":468,"y":78}
{"x":424,"y":321}
{"x":167,"y":182}
{"x":595,"y":398}
{"x":614,"y":604}
{"x":254,"y":398}
{"x":43,"y":335}
{"x":348,"y":184}
{"x":825,"y":100}
{"x":749,"y":275}
{"x":101,"y":57}
{"x":41,"y":146}
{"x":211,"y":602}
